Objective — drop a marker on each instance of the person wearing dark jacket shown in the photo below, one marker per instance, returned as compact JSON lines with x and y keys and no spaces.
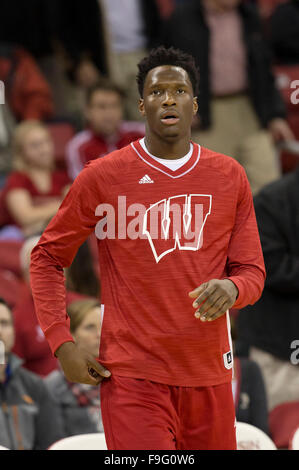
{"x":248,"y":389}
{"x":250,"y":394}
{"x":29,"y":418}
{"x":284,"y":33}
{"x":238,"y":100}
{"x":132,"y":28}
{"x":270,"y":327}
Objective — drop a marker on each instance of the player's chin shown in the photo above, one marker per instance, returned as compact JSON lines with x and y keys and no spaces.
{"x":171,"y":132}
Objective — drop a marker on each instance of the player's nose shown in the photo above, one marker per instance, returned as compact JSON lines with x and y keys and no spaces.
{"x":169,"y":99}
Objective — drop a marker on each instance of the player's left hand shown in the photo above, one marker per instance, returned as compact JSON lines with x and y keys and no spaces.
{"x":214,"y":298}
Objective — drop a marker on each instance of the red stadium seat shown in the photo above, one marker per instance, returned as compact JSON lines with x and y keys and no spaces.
{"x":283,"y":420}
{"x":61,"y":133}
{"x":10,"y":256}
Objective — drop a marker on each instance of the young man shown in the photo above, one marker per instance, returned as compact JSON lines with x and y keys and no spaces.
{"x":106,"y":130}
{"x":29,"y":418}
{"x":167,"y":375}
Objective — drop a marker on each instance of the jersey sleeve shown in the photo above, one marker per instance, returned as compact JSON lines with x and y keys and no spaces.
{"x":56,"y":250}
{"x":245,"y":262}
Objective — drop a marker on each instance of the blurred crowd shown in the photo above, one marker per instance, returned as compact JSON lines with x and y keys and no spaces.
{"x":70,"y":96}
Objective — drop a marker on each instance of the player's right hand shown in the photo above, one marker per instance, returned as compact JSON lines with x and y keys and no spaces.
{"x":80,"y":366}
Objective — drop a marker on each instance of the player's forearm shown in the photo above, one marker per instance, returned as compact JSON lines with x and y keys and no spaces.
{"x":48,"y":289}
{"x":27,"y":216}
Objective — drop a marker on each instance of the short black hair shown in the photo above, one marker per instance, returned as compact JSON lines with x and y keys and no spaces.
{"x":3,"y":302}
{"x":168,"y":56}
{"x":104,"y":84}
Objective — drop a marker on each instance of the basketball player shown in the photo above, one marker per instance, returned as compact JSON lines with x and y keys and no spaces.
{"x":178,"y":246}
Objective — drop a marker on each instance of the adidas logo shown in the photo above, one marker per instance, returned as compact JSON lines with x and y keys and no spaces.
{"x":145,"y":179}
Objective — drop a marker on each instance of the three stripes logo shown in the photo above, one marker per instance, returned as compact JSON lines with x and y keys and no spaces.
{"x":145,"y":179}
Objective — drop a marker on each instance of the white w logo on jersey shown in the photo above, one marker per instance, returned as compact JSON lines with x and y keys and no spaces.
{"x":176,"y":222}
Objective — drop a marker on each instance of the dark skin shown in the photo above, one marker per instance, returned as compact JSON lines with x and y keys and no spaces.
{"x":168,"y":90}
{"x":168,"y":104}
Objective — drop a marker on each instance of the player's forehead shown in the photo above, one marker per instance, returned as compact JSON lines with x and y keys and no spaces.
{"x":167,"y":74}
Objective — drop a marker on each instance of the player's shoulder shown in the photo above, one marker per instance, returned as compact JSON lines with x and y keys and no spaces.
{"x":221,"y":163}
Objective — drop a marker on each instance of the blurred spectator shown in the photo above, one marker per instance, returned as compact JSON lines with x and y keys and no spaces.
{"x":80,"y":55}
{"x":80,"y":31}
{"x":28,"y":24}
{"x":7,"y":125}
{"x":249,"y":390}
{"x":284,"y":32}
{"x":64,"y":37}
{"x":30,"y":342}
{"x":133,"y":26}
{"x":42,"y":26}
{"x":26,"y":90}
{"x":80,"y":403}
{"x":166,"y":7}
{"x":34,"y":191}
{"x":28,"y":415}
{"x":238,"y":101}
{"x":271,"y":325}
{"x":106,"y":132}
{"x":266,"y":8}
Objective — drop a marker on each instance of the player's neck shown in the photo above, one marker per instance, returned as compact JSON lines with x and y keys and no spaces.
{"x":167,"y":149}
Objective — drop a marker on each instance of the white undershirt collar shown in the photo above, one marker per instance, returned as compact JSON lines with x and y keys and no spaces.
{"x":171,"y":164}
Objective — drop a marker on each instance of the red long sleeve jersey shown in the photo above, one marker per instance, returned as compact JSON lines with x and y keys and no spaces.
{"x":161,"y":233}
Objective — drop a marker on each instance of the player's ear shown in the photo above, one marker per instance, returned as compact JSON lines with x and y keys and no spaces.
{"x":195,"y":105}
{"x":141,"y":107}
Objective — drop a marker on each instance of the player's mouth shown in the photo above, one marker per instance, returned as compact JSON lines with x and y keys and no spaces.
{"x":170,"y":118}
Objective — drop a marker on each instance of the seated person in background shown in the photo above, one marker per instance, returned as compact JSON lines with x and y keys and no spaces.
{"x":83,"y":276}
{"x":284,"y":33}
{"x":249,"y":390}
{"x":241,"y":112}
{"x":30,"y":342}
{"x":34,"y":191}
{"x":80,"y":403}
{"x":106,"y":132}
{"x":29,"y":416}
{"x":27,"y":91}
{"x":7,"y":125}
{"x":270,"y":327}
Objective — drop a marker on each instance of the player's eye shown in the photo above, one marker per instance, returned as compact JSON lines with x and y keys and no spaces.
{"x":156,"y":92}
{"x":180,"y":91}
